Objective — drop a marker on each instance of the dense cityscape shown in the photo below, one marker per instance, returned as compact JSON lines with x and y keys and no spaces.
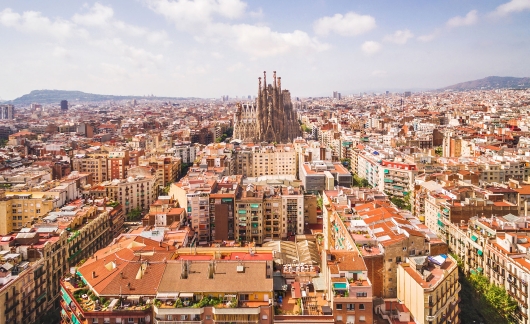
{"x":369,"y":208}
{"x":234,"y":162}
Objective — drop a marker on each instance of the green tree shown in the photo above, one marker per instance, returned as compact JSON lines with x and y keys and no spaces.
{"x":320,"y":202}
{"x":438,"y":151}
{"x":134,"y":214}
{"x":494,"y":300}
{"x":3,"y":142}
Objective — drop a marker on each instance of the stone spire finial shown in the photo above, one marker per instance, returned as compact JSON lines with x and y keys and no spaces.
{"x":259,"y":87}
{"x":274,"y":77}
{"x":265,"y":80}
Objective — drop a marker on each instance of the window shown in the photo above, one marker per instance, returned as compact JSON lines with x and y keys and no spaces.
{"x":362,"y":294}
{"x":208,"y":317}
{"x":339,"y":306}
{"x":118,"y":319}
{"x":362,"y":318}
{"x":183,"y":317}
{"x":264,"y":317}
{"x":361,"y":306}
{"x":351,"y":307}
{"x":94,"y":320}
{"x":243,"y":297}
{"x":339,"y":318}
{"x":130,"y":320}
{"x":389,"y":260}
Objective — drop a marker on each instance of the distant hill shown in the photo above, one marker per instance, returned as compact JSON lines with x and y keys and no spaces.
{"x":491,"y":82}
{"x":55,"y":96}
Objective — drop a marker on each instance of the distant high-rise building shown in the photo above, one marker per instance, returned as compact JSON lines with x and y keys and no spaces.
{"x":387,"y":92}
{"x":64,"y":105}
{"x":271,"y":118}
{"x":7,"y":112}
{"x":336,"y":95}
{"x":408,"y":93}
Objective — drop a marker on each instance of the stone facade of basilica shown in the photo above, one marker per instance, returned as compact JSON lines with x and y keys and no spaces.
{"x":271,"y":118}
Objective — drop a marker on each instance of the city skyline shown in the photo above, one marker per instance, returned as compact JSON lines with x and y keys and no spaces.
{"x":210,"y":48}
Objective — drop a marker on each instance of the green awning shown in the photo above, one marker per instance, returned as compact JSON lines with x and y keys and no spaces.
{"x":254,"y":205}
{"x":474,"y":238}
{"x":479,"y":252}
{"x":242,"y":211}
{"x":479,"y":269}
{"x":473,"y":271}
{"x":440,"y":223}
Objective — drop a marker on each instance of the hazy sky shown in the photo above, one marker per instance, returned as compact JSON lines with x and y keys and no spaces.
{"x":207,"y":48}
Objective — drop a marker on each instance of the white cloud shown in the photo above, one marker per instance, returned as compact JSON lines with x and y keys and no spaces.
{"x":189,"y":15}
{"x":511,"y":7}
{"x":256,"y":14}
{"x":261,"y":41}
{"x":379,"y":73}
{"x":470,"y":19}
{"x":429,"y":37}
{"x":102,"y":16}
{"x":217,"y":55}
{"x":350,"y":24}
{"x":99,"y":15}
{"x":61,"y":52}
{"x":235,"y":67}
{"x":399,"y":37}
{"x":34,"y":22}
{"x":200,"y":18}
{"x":137,"y":56}
{"x":371,"y":47}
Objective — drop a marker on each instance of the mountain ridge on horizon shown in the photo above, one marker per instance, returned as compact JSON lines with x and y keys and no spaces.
{"x":489,"y":83}
{"x":55,"y":96}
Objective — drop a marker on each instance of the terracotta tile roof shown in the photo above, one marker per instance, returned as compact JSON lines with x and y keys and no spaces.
{"x":226,"y":278}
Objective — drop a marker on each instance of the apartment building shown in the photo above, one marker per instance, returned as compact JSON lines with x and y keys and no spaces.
{"x":382,"y":236}
{"x":117,"y":164}
{"x":138,"y":191}
{"x":186,"y":151}
{"x":318,"y":176}
{"x":462,"y":203}
{"x":164,"y":213}
{"x":95,"y":163}
{"x":223,"y":286}
{"x":428,"y":286}
{"x":397,"y":178}
{"x":18,"y":210}
{"x":240,"y":286}
{"x":256,"y":161}
{"x":348,"y":286}
{"x":222,"y":208}
{"x":496,"y":247}
{"x":167,"y":169}
{"x":269,"y":212}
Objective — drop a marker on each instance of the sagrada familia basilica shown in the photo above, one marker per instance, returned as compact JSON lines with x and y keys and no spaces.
{"x":270,"y":118}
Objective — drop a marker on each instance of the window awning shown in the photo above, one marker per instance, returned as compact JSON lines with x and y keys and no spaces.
{"x":186,"y":295}
{"x":479,"y":252}
{"x":474,"y":238}
{"x":479,"y":269}
{"x":172,"y":295}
